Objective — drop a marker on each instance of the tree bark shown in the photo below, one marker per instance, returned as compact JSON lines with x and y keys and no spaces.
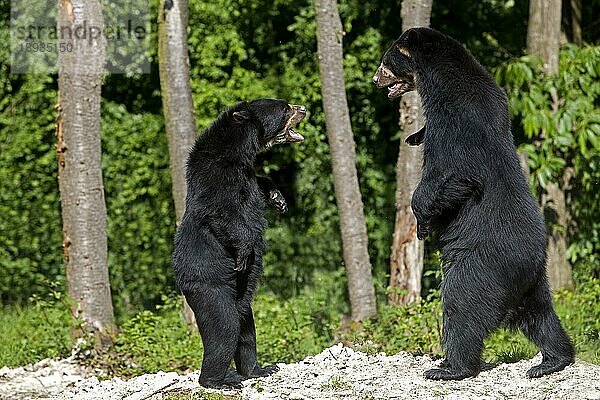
{"x":560,"y":274}
{"x":178,"y":106}
{"x":406,"y":263}
{"x":543,"y":40}
{"x":343,"y":155}
{"x":543,"y":32}
{"x":79,"y":170}
{"x":576,"y":6}
{"x":524,"y":163}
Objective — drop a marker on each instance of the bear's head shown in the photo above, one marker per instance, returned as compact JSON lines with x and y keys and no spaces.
{"x":400,"y":62}
{"x":274,"y":119}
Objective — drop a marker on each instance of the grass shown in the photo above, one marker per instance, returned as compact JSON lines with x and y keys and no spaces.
{"x":336,"y":383}
{"x":29,"y":334}
{"x":287,"y":330}
{"x":198,"y":394}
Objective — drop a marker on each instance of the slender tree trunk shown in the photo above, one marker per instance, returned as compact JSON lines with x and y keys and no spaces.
{"x":543,"y":40}
{"x":406,"y":263}
{"x":343,"y":155}
{"x":178,"y":106}
{"x":557,"y":217}
{"x":543,"y":32}
{"x":524,"y":163}
{"x":79,"y":170}
{"x":576,"y":6}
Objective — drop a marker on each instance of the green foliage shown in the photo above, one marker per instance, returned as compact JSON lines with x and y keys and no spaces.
{"x":219,"y":60}
{"x":415,"y":328}
{"x":151,"y":342}
{"x":493,"y":30}
{"x":141,"y":220}
{"x":29,"y":334}
{"x":560,"y":120}
{"x":291,"y":329}
{"x":137,"y":189}
{"x":336,"y":383}
{"x":579,"y":313}
{"x":30,"y":238}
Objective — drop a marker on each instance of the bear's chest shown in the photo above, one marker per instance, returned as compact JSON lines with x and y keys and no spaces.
{"x":252,"y":204}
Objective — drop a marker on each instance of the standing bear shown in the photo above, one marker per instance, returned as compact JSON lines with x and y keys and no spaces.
{"x":217,"y":257}
{"x":474,"y":195}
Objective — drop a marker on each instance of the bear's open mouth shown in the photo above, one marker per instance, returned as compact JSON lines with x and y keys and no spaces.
{"x":288,"y":134}
{"x":399,"y":87}
{"x":293,"y":136}
{"x":298,"y":114}
{"x":396,"y":85}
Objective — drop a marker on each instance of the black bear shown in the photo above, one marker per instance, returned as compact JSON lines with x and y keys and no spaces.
{"x":217,"y":257}
{"x":474,"y":195}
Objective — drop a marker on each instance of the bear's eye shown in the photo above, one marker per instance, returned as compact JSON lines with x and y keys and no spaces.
{"x":403,"y":50}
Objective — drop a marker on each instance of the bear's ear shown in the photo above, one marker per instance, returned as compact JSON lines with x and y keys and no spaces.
{"x":416,"y":39}
{"x":240,"y":116}
{"x":413,"y":37}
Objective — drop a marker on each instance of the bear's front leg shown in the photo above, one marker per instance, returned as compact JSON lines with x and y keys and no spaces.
{"x":234,"y":235}
{"x":277,"y":200}
{"x":243,"y":259}
{"x":420,"y":212}
{"x":423,"y":230}
{"x":273,"y":195}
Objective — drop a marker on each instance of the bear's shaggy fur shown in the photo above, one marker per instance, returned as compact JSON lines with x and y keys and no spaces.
{"x":218,"y":249}
{"x":473,"y":193}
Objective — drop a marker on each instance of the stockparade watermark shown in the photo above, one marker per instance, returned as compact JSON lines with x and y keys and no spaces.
{"x":124,"y":36}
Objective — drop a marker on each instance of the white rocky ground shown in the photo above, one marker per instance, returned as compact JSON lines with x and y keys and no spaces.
{"x":336,"y":373}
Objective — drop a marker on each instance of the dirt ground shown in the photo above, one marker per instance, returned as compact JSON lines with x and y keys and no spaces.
{"x":336,"y":373}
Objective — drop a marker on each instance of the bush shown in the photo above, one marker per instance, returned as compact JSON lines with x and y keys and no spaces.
{"x":141,"y":217}
{"x":557,"y":120}
{"x":30,"y":226}
{"x":30,"y":334}
{"x":160,"y":341}
{"x":415,"y":328}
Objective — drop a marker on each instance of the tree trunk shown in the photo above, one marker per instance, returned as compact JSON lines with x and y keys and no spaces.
{"x":178,"y":106}
{"x":406,"y":263}
{"x":524,"y":163}
{"x":543,"y":32}
{"x":543,"y":39}
{"x":343,"y":155}
{"x":79,"y":170}
{"x":560,"y":274}
{"x":576,"y":6}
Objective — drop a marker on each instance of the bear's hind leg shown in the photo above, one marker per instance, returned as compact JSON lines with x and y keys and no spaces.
{"x":218,"y":323}
{"x":468,"y":317}
{"x":245,"y":353}
{"x":462,"y":341}
{"x":541,"y":325}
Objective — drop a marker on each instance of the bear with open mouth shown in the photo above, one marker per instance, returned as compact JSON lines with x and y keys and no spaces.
{"x":474,"y":195}
{"x":217,"y":257}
